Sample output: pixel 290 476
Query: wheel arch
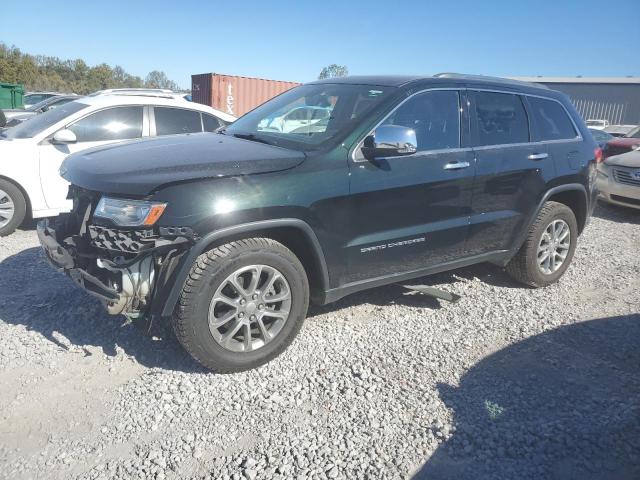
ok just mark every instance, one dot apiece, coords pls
pixel 575 199
pixel 22 190
pixel 574 195
pixel 294 233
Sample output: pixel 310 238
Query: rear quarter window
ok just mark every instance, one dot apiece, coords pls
pixel 551 119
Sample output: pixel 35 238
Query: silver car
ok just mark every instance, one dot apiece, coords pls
pixel 619 179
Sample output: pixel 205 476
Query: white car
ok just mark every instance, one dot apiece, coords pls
pixel 597 124
pixel 31 152
pixel 296 119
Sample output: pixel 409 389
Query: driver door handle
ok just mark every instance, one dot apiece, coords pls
pixel 456 165
pixel 538 156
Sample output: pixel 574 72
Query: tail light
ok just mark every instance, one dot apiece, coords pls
pixel 599 155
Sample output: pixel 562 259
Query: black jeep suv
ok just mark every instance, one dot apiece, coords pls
pixel 330 188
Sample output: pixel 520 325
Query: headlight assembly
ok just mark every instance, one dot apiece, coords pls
pixel 129 213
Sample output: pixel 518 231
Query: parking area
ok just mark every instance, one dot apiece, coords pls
pixel 511 382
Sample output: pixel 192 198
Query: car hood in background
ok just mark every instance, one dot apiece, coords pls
pixel 141 166
pixel 630 159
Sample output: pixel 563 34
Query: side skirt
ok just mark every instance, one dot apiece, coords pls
pixel 498 257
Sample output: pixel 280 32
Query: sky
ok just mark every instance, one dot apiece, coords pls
pixel 292 41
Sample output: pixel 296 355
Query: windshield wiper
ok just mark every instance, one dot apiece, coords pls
pixel 251 136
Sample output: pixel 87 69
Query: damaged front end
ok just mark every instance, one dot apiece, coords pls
pixel 124 267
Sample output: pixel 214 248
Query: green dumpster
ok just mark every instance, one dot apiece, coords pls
pixel 11 95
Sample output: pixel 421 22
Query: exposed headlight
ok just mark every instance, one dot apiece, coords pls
pixel 129 213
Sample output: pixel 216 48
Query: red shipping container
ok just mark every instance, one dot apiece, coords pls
pixel 235 95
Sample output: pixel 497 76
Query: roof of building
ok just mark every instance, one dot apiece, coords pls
pixel 617 80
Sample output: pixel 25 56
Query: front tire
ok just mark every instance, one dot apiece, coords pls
pixel 548 249
pixel 242 304
pixel 13 207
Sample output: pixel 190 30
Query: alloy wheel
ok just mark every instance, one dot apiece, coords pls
pixel 554 246
pixel 7 208
pixel 249 308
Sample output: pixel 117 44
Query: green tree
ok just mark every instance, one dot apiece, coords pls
pixel 43 72
pixel 157 79
pixel 333 70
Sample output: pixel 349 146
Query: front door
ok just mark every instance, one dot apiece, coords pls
pixel 99 128
pixel 412 212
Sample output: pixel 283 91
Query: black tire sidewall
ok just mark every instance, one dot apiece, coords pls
pixel 207 350
pixel 558 212
pixel 20 207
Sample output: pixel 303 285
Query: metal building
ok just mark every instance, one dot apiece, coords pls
pixel 616 99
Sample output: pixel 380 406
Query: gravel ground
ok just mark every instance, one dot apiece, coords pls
pixel 508 383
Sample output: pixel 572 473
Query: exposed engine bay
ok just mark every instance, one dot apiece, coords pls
pixel 121 267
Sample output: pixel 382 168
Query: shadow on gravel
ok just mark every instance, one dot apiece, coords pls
pixel 34 295
pixel 618 214
pixel 563 405
pixel 28 225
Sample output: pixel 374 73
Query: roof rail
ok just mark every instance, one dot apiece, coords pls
pixel 131 91
pixel 486 78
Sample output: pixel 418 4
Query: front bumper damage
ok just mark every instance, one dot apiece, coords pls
pixel 127 270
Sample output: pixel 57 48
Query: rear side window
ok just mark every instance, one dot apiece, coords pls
pixel 552 120
pixel 499 119
pixel 435 117
pixel 170 121
pixel 211 123
pixel 119 123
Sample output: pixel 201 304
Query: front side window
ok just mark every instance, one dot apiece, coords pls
pixel 500 119
pixel 435 117
pixel 172 121
pixel 552 121
pixel 119 123
pixel 40 123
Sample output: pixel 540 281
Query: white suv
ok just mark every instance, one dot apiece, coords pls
pixel 31 152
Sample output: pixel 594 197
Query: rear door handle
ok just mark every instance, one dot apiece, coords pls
pixel 456 165
pixel 538 156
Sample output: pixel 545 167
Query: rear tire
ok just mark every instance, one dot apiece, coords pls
pixel 543 259
pixel 239 281
pixel 13 207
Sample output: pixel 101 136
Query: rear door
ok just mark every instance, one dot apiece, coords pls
pixel 412 212
pixel 511 170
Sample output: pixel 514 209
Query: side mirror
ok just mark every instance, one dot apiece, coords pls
pixel 64 136
pixel 390 141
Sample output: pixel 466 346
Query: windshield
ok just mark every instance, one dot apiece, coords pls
pixel 39 123
pixel 310 116
pixel 635 133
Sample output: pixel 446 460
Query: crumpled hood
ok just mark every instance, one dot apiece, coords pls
pixel 141 166
pixel 629 159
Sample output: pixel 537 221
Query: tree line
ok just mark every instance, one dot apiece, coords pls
pixel 41 72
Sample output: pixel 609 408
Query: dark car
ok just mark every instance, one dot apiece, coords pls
pixel 16 116
pixel 602 138
pixel 627 143
pixel 229 235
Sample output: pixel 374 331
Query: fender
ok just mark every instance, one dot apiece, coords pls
pixel 548 194
pixel 166 299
